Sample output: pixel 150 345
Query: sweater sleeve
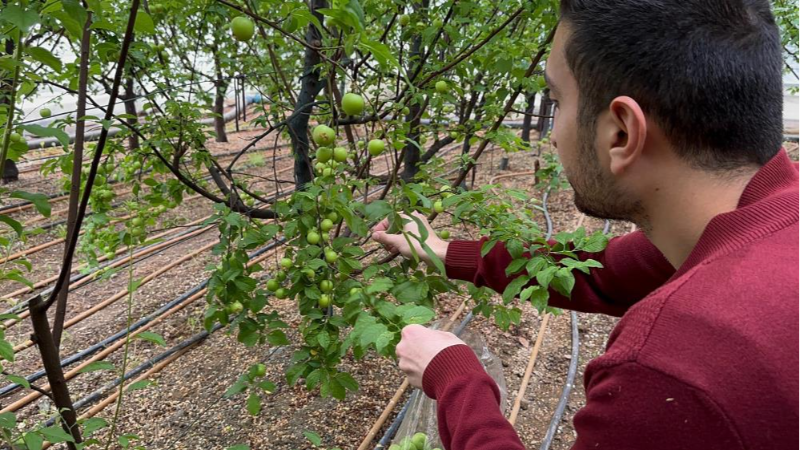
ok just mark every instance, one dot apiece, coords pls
pixel 632 268
pixel 630 406
pixel 467 403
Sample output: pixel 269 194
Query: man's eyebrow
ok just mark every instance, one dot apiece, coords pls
pixel 549 82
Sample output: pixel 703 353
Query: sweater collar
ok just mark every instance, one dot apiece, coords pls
pixel 768 203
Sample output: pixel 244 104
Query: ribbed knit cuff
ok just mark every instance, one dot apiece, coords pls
pixel 451 363
pixel 461 261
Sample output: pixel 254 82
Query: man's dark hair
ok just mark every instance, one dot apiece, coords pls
pixel 709 72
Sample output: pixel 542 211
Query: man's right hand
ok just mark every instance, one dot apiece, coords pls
pixel 398 243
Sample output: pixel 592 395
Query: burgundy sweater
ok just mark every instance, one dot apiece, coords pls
pixel 705 357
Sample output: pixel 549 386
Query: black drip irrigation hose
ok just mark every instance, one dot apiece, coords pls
pixel 571 372
pixel 135 326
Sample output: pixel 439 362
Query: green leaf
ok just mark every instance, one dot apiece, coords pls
pixel 377 209
pixel 347 380
pixel 139 385
pixel 418 315
pixel 33 441
pixel 16 226
pixel 45 57
pixel 596 242
pixel 38 130
pixel 371 334
pixel 514 287
pixel 380 284
pixel 8 420
pixel 93 424
pixel 383 341
pixel 19 380
pixel 312 437
pixel 543 277
pixel 253 404
pixel 411 291
pixel 144 23
pixel 564 282
pixel 40 201
pixel 515 266
pixel 235 388
pixel 380 51
pixel 324 340
pixel 56 434
pixel 277 337
pixel 336 389
pixel 152 337
pixel 487 247
pixel 97 365
pixel 239 447
pixel 73 27
pixel 20 18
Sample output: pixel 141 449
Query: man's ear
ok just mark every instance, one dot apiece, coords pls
pixel 624 133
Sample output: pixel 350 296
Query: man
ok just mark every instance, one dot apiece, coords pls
pixel 668 115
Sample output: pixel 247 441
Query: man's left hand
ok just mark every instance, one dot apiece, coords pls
pixel 417 348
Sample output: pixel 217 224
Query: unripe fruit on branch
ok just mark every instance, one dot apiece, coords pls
pixel 261 370
pixel 45 112
pixel 444 234
pixel 404 20
pixel 286 263
pixel 281 293
pixel 312 237
pixel 243 28
pixel 323 135
pixel 438 207
pixel 324 154
pixel 376 147
pixel 326 285
pixel 442 87
pixel 331 256
pixel 235 307
pixel 273 285
pixel 352 104
pixel 333 217
pixel 324 301
pixel 326 225
pixel 340 154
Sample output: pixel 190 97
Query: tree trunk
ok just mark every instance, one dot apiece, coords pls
pixel 311 86
pixel 75 185
pixel 10 171
pixel 221 87
pixel 542 123
pixel 526 122
pixel 52 367
pixel 130 109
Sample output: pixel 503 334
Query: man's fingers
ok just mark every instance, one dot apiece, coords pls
pixel 390 241
pixel 383 225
